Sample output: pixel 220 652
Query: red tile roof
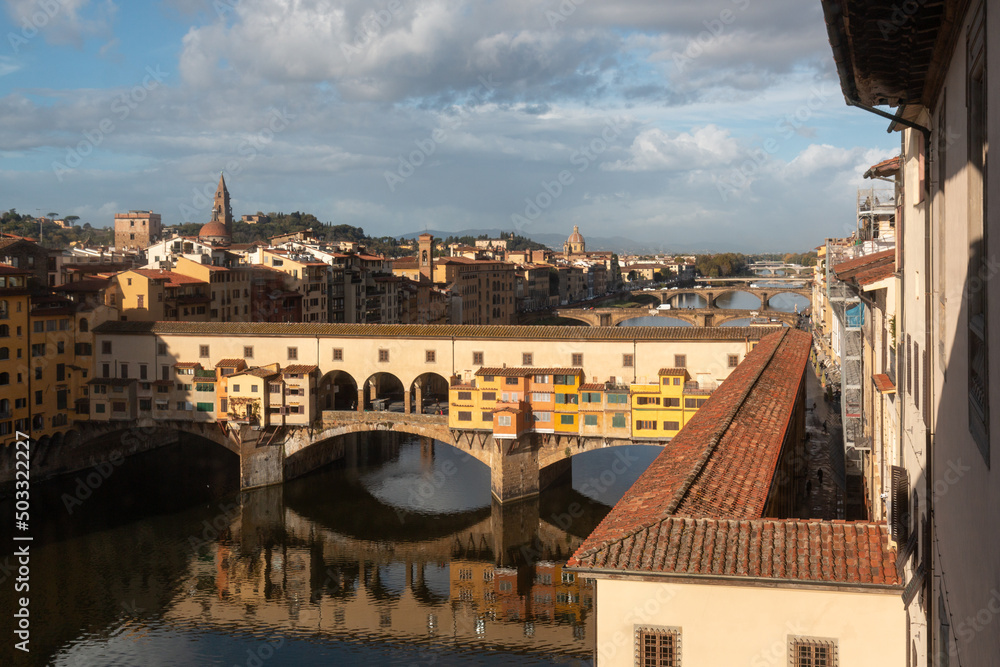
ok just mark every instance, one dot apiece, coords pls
pixel 592 386
pixel 885 168
pixel 673 371
pixel 172 277
pixel 883 383
pixel 303 369
pixel 868 268
pixel 524 371
pixel 789 549
pixel 231 363
pixel 721 464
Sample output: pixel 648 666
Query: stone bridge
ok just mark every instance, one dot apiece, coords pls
pixel 712 293
pixel 699 317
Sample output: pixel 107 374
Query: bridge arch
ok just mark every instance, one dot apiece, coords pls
pixel 736 290
pixel 337 390
pixel 429 390
pixel 380 390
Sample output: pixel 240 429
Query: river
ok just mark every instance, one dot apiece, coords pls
pixel 787 303
pixel 393 555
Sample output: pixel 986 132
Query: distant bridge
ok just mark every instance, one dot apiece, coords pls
pixel 699 317
pixel 712 294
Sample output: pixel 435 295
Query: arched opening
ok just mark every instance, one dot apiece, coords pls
pixel 686 300
pixel 430 394
pixel 655 321
pixel 738 299
pixel 4 353
pixel 337 391
pixel 383 392
pixel 788 302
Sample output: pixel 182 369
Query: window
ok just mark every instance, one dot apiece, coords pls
pixel 577 359
pixel 38 350
pixel 526 359
pixel 734 360
pixel 429 356
pixel 567 420
pixel 677 381
pixel 671 426
pixel 567 399
pixel 383 356
pixel 808 652
pixel 274 388
pixel 645 425
pixel 99 408
pixel 236 388
pixel 38 327
pixel 511 381
pixel 541 379
pixel 671 402
pixel 487 416
pixel 4 353
pixel 657 647
pixel 591 397
pixel 477 358
pixel 84 325
pixel 589 420
pixel 293 353
pixel 38 397
pixel 628 360
pixel 680 361
pixel 465 416
pixel 465 395
pixel 248 351
pixel 105 347
pixel 647 400
pixel 38 372
pixel 503 420
pixel 143 372
pixel 489 396
pixel 618 420
pixel 205 407
pixel 979 270
pixel 161 348
pixel 338 354
pixel 4 378
pixel 618 398
pixel 204 386
pixel 543 416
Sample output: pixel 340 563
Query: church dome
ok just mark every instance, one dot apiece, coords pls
pixel 575 237
pixel 213 230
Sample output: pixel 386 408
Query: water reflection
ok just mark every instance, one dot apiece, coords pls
pixel 345 566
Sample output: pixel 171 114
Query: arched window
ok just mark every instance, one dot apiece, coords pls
pixel 4 331
pixel 4 353
pixel 84 325
pixel 4 378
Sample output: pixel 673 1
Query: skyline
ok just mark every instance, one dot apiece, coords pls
pixel 720 123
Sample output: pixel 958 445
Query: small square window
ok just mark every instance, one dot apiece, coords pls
pixel 383 356
pixel 526 359
pixel 577 359
pixel 477 358
pixel 429 356
pixel 293 353
pixel 812 652
pixel 248 351
pixel 680 360
pixel 338 354
pixel 161 348
pixel 734 360
pixel 628 361
pixel 105 347
pixel 203 351
pixel 658 647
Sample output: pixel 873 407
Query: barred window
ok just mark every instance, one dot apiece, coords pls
pixel 338 354
pixel 477 358
pixel 680 360
pixel 577 359
pixel 657 647
pixel 812 652
pixel 628 360
pixel 734 360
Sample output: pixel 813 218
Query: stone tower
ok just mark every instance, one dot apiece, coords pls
pixel 425 256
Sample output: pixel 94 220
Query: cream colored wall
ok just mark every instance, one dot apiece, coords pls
pixel 602 359
pixel 724 625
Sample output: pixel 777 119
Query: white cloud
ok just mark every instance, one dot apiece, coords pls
pixel 655 150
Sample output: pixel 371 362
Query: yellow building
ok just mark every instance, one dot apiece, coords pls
pixel 230 288
pixel 309 277
pixel 661 410
pixel 14 306
pixel 154 295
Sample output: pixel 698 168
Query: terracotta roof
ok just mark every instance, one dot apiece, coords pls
pixel 721 464
pixel 231 363
pixel 873 264
pixel 187 364
pixel 592 386
pixel 304 369
pixel 8 270
pixel 785 549
pixel 458 331
pixel 515 371
pixel 672 371
pixel 883 383
pixel 256 372
pixel 172 277
pixel 885 168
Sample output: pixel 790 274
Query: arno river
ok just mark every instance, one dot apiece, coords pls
pixel 739 300
pixel 394 555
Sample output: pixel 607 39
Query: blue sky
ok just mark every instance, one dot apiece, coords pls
pixel 683 124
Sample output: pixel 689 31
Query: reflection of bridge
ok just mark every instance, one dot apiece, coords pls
pixel 297 574
pixel 699 317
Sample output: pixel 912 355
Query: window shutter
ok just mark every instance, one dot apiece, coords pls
pixel 900 510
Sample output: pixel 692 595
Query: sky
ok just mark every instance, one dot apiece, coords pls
pixel 677 123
